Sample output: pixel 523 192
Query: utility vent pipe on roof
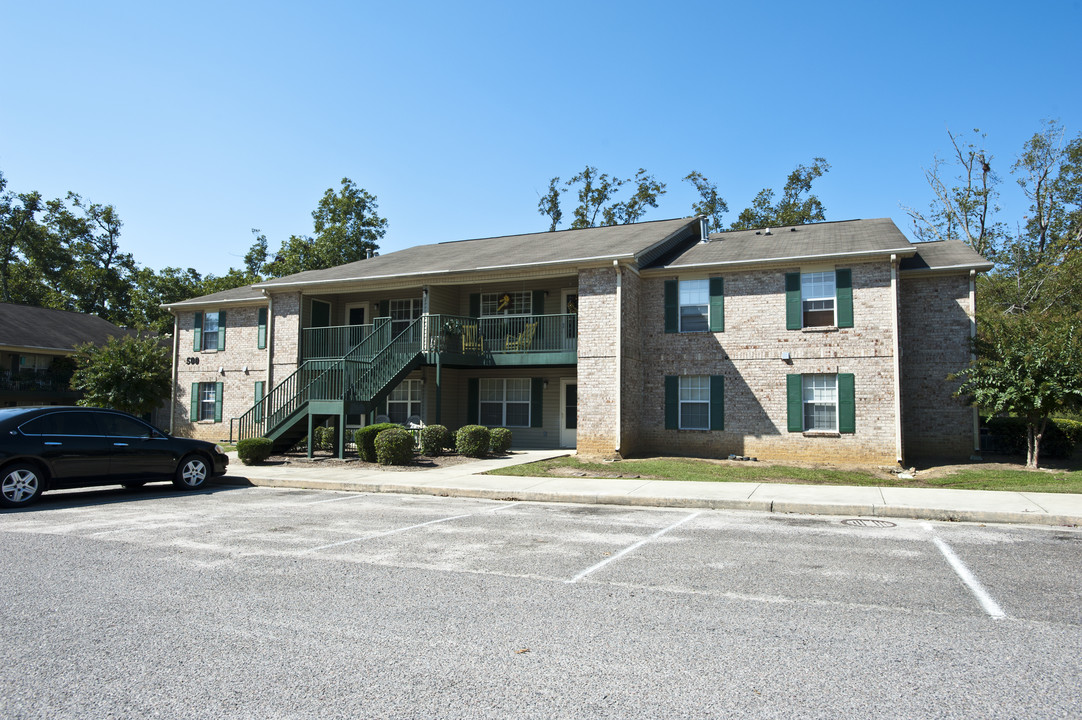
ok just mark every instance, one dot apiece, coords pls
pixel 766 232
pixel 704 230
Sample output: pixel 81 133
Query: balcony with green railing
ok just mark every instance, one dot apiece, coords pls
pixel 456 339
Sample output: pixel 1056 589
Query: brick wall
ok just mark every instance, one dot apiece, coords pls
pixel 202 366
pixel 597 382
pixel 935 328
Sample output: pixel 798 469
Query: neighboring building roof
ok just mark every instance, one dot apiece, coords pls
pixel 246 294
pixel 847 238
pixel 945 255
pixel 640 242
pixel 34 328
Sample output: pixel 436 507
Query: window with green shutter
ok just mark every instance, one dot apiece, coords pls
pixel 843 284
pixel 694 402
pixel 717 304
pixel 197 333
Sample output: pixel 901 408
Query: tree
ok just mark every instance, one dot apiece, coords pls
pixel 347 228
pixel 23 246
pixel 596 192
pixel 132 374
pixel 151 290
pixel 964 210
pixel 711 205
pixel 794 208
pixel 1027 366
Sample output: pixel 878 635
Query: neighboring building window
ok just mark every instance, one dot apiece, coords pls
pixel 403 312
pixel 210 331
pixel 694 305
pixel 507 303
pixel 504 402
pixel 208 398
pixel 695 402
pixel 404 401
pixel 820 395
pixel 817 298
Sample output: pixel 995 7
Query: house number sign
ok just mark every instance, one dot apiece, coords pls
pixel 191 361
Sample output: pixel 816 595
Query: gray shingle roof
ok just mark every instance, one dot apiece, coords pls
pixel 503 253
pixel 247 293
pixel 46 329
pixel 944 254
pixel 828 239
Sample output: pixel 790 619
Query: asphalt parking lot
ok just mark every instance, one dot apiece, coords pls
pixel 260 602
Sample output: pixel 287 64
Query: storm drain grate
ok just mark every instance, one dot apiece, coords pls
pixel 864 522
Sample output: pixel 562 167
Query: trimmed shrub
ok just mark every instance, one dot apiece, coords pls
pixel 366 440
pixel 1009 436
pixel 501 440
pixel 473 440
pixel 435 439
pixel 394 446
pixel 254 450
pixel 326 438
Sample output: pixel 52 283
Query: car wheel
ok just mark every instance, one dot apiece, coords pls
pixel 192 473
pixel 20 485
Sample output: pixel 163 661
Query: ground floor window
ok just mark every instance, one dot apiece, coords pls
pixel 504 402
pixel 208 402
pixel 820 394
pixel 695 402
pixel 404 401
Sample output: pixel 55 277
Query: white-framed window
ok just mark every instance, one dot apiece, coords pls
pixel 507 303
pixel 404 401
pixel 817 292
pixel 36 363
pixel 208 396
pixel 820 402
pixel 210 331
pixel 504 402
pixel 694 305
pixel 694 402
pixel 403 312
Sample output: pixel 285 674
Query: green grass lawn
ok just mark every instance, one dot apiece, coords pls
pixel 975 477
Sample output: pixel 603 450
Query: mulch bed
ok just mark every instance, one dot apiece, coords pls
pixel 326 459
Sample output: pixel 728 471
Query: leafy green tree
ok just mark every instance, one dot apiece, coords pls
pixel 596 192
pixel 22 242
pixel 151 290
pixel 1027 366
pixel 795 207
pixel 710 205
pixel 132 374
pixel 347 228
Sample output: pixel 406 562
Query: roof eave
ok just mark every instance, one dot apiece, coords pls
pixel 853 255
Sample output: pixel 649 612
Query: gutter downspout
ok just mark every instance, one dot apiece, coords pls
pixel 270 344
pixel 173 393
pixel 619 354
pixel 973 359
pixel 897 360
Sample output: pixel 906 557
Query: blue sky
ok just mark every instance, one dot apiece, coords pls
pixel 202 120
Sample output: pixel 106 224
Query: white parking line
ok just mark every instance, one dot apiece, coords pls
pixel 351 496
pixel 631 548
pixel 399 530
pixel 987 602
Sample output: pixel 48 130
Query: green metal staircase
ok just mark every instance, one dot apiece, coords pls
pixel 320 389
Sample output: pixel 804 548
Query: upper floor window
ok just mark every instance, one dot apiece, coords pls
pixel 403 312
pixel 210 331
pixel 817 298
pixel 694 305
pixel 507 303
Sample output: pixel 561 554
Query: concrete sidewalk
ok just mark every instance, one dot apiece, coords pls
pixel 465 480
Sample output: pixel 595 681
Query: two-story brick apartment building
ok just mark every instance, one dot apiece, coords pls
pixel 829 341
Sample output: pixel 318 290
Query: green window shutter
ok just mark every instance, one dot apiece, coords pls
pixel 261 333
pixel 672 307
pixel 794 319
pixel 221 329
pixel 197 335
pixel 217 402
pixel 672 402
pixel 473 399
pixel 717 402
pixel 475 304
pixel 794 394
pixel 538 302
pixel 537 387
pixel 843 289
pixel 194 414
pixel 384 308
pixel 259 399
pixel 717 304
pixel 847 403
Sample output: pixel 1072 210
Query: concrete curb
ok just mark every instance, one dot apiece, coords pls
pixel 699 503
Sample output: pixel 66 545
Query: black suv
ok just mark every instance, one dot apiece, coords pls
pixel 45 448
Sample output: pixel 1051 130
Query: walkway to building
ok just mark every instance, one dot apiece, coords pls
pixel 466 480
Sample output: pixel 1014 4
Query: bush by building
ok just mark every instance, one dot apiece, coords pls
pixel 394 446
pixel 473 440
pixel 254 450
pixel 435 439
pixel 500 440
pixel 366 439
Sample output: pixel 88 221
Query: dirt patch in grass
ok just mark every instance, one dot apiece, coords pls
pixel 328 460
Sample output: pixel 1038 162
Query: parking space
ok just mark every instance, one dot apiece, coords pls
pixel 1028 573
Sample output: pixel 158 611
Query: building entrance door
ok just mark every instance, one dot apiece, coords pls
pixel 569 402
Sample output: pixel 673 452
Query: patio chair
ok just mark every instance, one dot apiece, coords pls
pixel 472 341
pixel 522 341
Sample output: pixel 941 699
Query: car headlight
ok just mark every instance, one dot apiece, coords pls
pixel 219 449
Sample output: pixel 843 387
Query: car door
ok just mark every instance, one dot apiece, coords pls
pixel 139 451
pixel 73 445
